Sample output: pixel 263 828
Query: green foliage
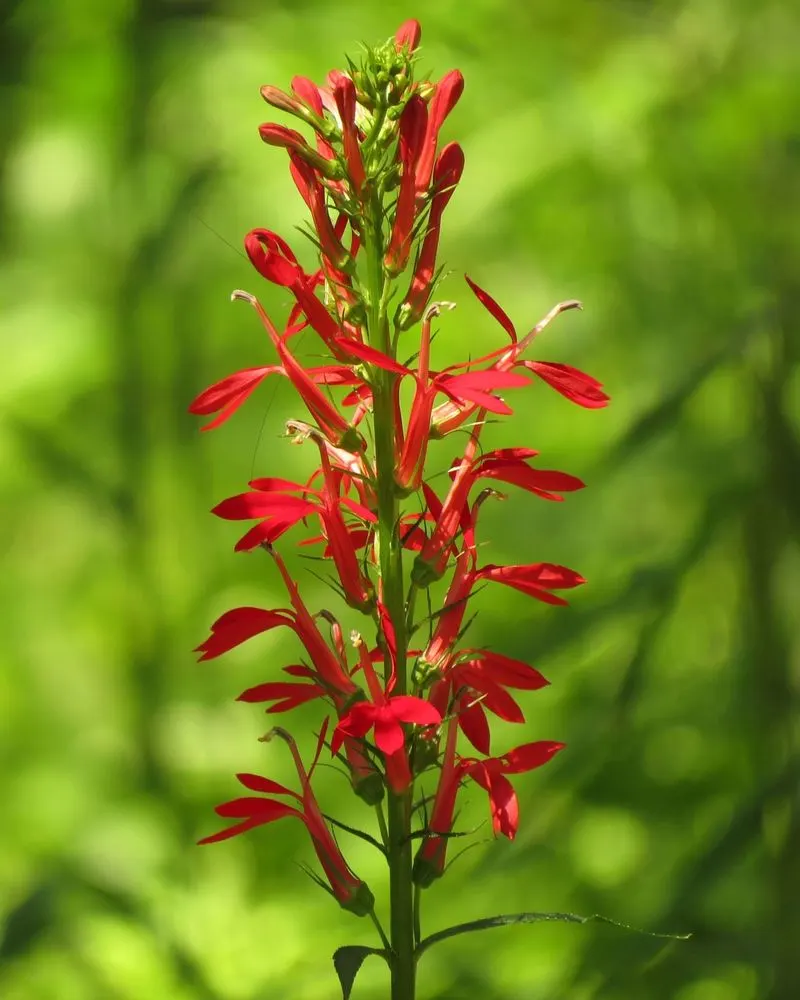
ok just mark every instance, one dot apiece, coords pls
pixel 643 158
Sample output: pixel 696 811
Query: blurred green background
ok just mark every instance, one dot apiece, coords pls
pixel 641 156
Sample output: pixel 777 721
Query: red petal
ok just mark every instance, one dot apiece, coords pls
pixel 494 309
pixel 475 727
pixel 571 383
pixel 286 693
pixel 266 785
pixel 407 708
pixel 249 505
pixel 229 393
pixel 529 756
pixel 545 482
pixel 510 672
pixel 270 483
pixel 370 354
pixel 389 737
pixel 264 810
pixel 357 723
pixel 236 626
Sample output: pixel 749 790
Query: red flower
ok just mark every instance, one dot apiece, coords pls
pixel 491 774
pixel 386 719
pixel 446 174
pixel 429 863
pixel 575 385
pixel 349 890
pixel 508 465
pixel 408 35
pixel 413 122
pixel 476 682
pixel 445 97
pixel 386 716
pixel 226 396
pixel 332 424
pixel 344 93
pixel 275 503
pixel 237 626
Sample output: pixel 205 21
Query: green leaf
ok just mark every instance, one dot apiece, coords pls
pixel 507 919
pixel 347 961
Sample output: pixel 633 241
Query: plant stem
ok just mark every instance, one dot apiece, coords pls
pixel 401 925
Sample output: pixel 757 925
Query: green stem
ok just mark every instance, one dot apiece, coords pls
pixel 382 824
pixel 399 847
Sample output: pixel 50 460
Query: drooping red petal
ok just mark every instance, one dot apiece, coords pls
pixel 256 783
pixel 510 672
pixel 493 308
pixel 500 703
pixel 286 694
pixel 268 531
pixel 259 504
pixel 407 708
pixel 236 626
pixel 475 726
pixel 504 806
pixel 572 383
pixel 371 355
pixel 547 483
pixel 389 736
pixel 357 723
pixel 227 395
pixel 529 756
pixel 536 579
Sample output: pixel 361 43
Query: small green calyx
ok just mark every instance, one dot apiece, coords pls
pixel 369 789
pixel 362 902
pixel 423 573
pixel 424 874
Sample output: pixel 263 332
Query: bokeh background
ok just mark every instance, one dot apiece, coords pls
pixel 641 156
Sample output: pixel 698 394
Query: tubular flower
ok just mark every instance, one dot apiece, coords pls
pixel 573 384
pixel 445 97
pixel 344 93
pixel 491 772
pixel 276 503
pixel 332 424
pixel 413 123
pixel 446 174
pixel 385 715
pixel 429 862
pixel 350 891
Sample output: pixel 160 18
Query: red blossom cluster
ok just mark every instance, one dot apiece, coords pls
pixel 376 180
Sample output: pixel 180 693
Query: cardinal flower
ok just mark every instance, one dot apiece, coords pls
pixel 476 681
pixel 385 717
pixel 491 773
pixel 575 385
pixel 350 891
pixel 278 504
